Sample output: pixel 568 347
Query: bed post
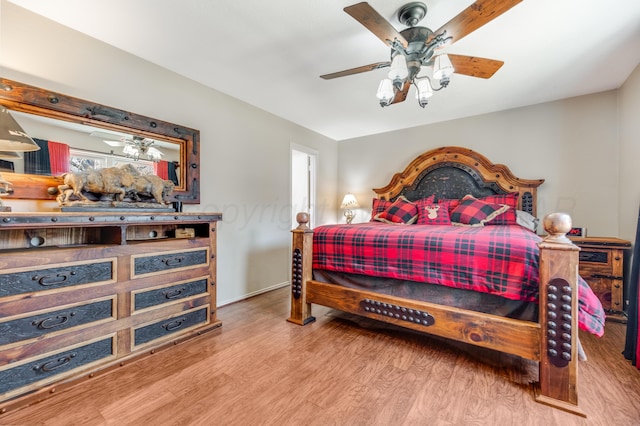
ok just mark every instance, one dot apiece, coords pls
pixel 558 316
pixel 301 265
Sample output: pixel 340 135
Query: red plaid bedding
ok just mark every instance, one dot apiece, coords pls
pixel 501 260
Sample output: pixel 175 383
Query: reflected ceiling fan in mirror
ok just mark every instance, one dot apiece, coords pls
pixel 133 146
pixel 137 146
pixel 416 47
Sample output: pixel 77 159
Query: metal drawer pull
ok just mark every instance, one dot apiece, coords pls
pixel 605 276
pixel 48 280
pixel 54 364
pixel 174 325
pixel 173 261
pixel 53 322
pixel 172 294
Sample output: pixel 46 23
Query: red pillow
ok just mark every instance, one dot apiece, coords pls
pixel 509 217
pixel 474 212
pixel 434 213
pixel 400 212
pixel 378 207
pixel 453 203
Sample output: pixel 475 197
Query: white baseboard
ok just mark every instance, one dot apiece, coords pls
pixel 255 293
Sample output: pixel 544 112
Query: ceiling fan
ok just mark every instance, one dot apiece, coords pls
pixel 133 146
pixel 416 47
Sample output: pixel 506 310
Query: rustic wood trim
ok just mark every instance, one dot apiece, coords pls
pixel 302 255
pixel 558 264
pixel 490 331
pixel 34 100
pixel 499 174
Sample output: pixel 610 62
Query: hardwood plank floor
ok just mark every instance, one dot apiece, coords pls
pixel 259 369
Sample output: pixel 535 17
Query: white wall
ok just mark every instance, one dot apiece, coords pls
pixel 571 143
pixel 629 125
pixel 245 150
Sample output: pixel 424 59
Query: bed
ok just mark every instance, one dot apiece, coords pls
pixel 529 303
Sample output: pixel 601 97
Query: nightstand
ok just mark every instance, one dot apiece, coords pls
pixel 602 267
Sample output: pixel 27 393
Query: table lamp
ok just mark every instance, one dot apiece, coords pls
pixel 349 202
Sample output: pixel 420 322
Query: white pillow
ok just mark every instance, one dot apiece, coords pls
pixel 527 220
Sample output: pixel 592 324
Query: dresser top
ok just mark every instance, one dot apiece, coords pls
pixel 115 218
pixel 600 242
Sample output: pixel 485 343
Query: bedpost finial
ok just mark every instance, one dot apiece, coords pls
pixel 303 220
pixel 557 225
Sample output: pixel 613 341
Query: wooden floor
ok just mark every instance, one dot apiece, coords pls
pixel 259 369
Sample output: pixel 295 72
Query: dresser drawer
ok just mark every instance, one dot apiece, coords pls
pixel 601 257
pixel 168 261
pixel 19 281
pixel 45 369
pixel 41 323
pixel 167 294
pixel 167 327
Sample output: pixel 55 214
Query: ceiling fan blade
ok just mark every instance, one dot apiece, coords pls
pixel 357 70
pixel 401 95
pixel 474 67
pixel 374 22
pixel 473 17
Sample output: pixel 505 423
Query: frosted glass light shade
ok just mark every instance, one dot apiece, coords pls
pixel 424 90
pixel 398 69
pixel 442 67
pixel 385 91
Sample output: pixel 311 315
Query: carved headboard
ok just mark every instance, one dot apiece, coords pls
pixel 453 172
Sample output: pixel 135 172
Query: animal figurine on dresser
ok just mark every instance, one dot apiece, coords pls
pixel 122 186
pixel 151 186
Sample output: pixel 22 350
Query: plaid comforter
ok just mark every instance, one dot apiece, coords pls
pixel 500 260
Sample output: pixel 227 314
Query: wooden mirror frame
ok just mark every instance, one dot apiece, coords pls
pixel 33 100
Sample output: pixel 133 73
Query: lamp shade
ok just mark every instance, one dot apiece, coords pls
pixel 385 91
pixel 12 137
pixel 349 202
pixel 399 70
pixel 424 91
pixel 442 67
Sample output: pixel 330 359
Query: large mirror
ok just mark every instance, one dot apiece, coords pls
pixel 95 136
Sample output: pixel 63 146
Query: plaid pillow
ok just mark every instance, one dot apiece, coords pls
pixel 474 212
pixel 453 203
pixel 433 213
pixel 400 212
pixel 378 207
pixel 508 217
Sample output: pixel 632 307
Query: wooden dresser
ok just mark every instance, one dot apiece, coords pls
pixel 82 293
pixel 602 267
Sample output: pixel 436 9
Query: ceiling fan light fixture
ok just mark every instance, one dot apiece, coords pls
pixel 399 70
pixel 442 67
pixel 137 146
pixel 416 47
pixel 154 154
pixel 131 151
pixel 424 91
pixel 385 92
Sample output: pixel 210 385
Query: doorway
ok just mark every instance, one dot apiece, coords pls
pixel 303 183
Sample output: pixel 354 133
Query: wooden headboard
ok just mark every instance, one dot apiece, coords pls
pixel 453 172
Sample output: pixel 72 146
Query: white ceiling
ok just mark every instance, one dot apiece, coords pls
pixel 271 53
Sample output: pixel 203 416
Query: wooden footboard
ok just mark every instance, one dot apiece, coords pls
pixel 552 341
